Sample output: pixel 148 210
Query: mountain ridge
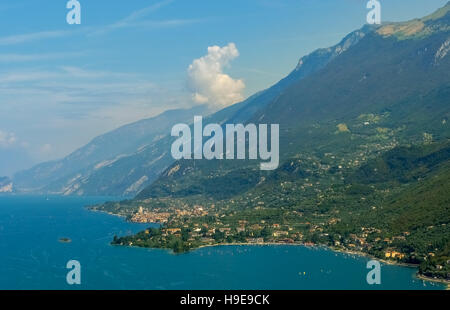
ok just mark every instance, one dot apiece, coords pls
pixel 141 166
pixel 104 148
pixel 411 105
pixel 365 164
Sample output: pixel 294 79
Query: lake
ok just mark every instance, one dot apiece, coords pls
pixel 32 256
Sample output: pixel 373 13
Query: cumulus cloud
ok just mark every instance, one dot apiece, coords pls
pixel 208 82
pixel 7 139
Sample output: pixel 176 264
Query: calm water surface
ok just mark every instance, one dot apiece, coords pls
pixel 31 256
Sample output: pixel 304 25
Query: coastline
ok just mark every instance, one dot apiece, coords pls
pixel 112 214
pixel 341 251
pixel 337 250
pixel 442 281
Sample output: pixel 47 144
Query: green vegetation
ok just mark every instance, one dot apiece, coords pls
pixel 365 163
pixel 402 208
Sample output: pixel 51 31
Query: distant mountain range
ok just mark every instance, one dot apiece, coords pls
pixel 91 169
pixel 126 160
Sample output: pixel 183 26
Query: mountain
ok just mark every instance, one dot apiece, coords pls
pixel 68 175
pixel 365 159
pixel 425 202
pixel 416 210
pixel 388 89
pixel 306 66
pixel 126 160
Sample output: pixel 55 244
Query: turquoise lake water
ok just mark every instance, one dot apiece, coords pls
pixel 31 256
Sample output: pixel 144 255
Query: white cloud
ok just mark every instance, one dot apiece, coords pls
pixel 23 38
pixel 144 12
pixel 134 19
pixel 9 58
pixel 208 82
pixel 7 139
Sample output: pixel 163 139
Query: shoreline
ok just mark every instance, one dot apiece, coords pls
pixel 336 250
pixel 317 246
pixel 341 251
pixel 436 280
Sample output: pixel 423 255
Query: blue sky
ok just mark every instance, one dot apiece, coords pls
pixel 61 85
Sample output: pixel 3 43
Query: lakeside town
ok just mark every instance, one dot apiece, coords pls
pixel 188 228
